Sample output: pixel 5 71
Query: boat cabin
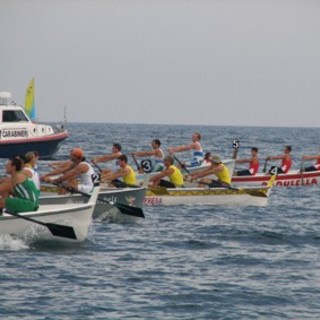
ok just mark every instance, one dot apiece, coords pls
pixel 15 123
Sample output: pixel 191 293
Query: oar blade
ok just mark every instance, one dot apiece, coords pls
pixel 59 230
pixel 56 229
pixel 131 211
pixel 256 193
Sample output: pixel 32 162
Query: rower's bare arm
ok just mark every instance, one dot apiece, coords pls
pixel 244 160
pixel 105 158
pixel 179 149
pixel 59 171
pixel 111 176
pixel 144 153
pixel 67 176
pixel 81 168
pixel 27 173
pixel 280 157
pixel 315 157
pixel 162 174
pixel 204 172
pixel 62 165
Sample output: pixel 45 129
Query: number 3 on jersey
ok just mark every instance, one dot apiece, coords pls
pixel 146 165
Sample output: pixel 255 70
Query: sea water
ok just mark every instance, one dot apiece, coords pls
pixel 185 262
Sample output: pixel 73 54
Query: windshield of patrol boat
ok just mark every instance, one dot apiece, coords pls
pixel 13 116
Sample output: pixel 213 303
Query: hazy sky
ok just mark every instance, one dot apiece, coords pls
pixel 216 62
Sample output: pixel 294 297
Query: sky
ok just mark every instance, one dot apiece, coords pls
pixel 206 62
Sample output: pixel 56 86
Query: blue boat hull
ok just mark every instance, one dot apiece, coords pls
pixel 45 148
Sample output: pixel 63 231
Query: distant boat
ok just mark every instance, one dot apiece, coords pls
pixel 19 134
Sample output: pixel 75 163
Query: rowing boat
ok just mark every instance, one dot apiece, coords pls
pixel 292 178
pixel 67 222
pixel 253 196
pixel 122 197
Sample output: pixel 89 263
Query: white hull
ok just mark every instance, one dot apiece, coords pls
pixel 292 178
pixel 77 216
pixel 132 197
pixel 214 196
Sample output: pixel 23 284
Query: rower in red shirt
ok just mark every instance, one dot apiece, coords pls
pixel 253 164
pixel 314 167
pixel 285 163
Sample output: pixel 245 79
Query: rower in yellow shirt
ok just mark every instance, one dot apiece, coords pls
pixel 125 172
pixel 172 172
pixel 219 170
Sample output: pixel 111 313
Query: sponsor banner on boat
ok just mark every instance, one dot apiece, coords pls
pixel 295 182
pixel 112 199
pixel 14 133
pixel 152 201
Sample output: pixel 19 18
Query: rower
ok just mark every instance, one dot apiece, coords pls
pixel 30 168
pixel 218 169
pixel 78 175
pixel 125 172
pixel 25 195
pixel 156 165
pixel 172 172
pixel 116 153
pixel 196 149
pixel 253 164
pixel 286 161
pixel 314 167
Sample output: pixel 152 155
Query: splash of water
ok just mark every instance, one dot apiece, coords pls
pixel 9 243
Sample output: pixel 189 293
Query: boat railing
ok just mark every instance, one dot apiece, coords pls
pixel 59 128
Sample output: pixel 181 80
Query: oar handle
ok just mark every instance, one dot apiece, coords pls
pixel 302 171
pixel 55 229
pixel 97 166
pixel 181 164
pixel 135 161
pixel 265 166
pixel 235 145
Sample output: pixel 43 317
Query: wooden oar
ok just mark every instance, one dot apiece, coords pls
pixel 123 208
pixel 302 171
pixel 256 193
pixel 57 230
pixel 131 211
pixel 159 190
pixel 97 166
pixel 135 161
pixel 235 145
pixel 181 164
pixel 264 170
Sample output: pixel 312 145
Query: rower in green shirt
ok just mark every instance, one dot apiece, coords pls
pixel 24 194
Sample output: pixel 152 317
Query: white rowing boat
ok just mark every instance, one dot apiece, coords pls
pixel 292 178
pixel 254 196
pixel 110 200
pixel 68 222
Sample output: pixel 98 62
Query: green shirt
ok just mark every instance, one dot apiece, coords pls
pixel 27 190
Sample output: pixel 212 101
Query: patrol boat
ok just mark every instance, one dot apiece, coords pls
pixel 18 134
